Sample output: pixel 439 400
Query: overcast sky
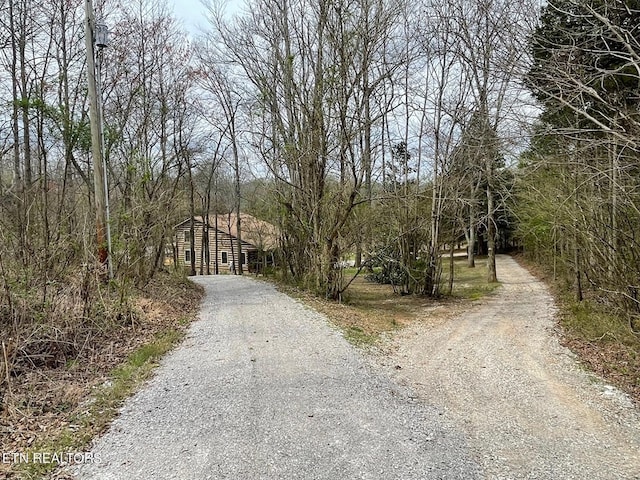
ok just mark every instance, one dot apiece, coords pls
pixel 192 12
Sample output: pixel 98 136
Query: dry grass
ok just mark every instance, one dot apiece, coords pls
pixel 61 406
pixel 370 311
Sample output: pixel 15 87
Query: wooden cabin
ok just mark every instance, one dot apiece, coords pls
pixel 220 233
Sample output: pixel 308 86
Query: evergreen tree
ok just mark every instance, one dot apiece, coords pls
pixel 584 162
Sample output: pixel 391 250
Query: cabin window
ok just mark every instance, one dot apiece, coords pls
pixel 187 256
pixel 243 259
pixel 187 236
pixel 224 257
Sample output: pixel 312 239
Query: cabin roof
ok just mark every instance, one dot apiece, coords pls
pixel 258 233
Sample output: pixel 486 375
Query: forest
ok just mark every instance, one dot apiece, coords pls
pixel 383 131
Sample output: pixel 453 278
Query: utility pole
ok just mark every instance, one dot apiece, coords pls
pixel 97 142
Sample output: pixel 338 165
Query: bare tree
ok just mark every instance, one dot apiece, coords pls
pixel 490 39
pixel 306 68
pixel 225 94
pixel 152 132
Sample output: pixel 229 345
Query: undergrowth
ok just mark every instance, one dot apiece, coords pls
pixel 94 416
pixel 596 331
pixel 68 362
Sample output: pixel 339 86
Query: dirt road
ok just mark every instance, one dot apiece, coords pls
pixel 528 409
pixel 263 388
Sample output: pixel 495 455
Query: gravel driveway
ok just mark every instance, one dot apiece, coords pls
pixel 528 409
pixel 263 388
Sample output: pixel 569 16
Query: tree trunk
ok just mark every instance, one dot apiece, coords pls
pixel 17 168
pixel 577 271
pixel 236 164
pixel 192 228
pixel 216 268
pixel 471 242
pixel 491 238
pixel 358 261
pixel 451 267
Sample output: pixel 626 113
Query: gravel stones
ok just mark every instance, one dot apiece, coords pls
pixel 264 388
pixel 528 409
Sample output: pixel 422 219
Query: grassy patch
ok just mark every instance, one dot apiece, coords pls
pixel 360 320
pixel 468 283
pixel 604 342
pixel 591 323
pixel 357 336
pixel 92 419
pixel 126 378
pixel 369 310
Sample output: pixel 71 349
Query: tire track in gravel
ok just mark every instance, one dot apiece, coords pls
pixel 529 410
pixel 263 388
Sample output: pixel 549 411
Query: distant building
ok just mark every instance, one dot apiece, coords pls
pixel 259 241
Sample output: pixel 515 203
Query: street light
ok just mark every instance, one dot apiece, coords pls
pixel 102 35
